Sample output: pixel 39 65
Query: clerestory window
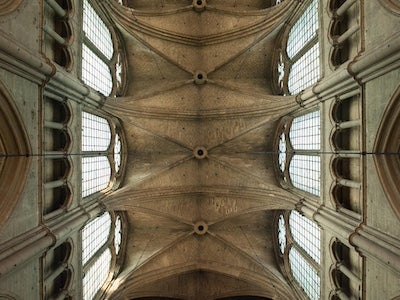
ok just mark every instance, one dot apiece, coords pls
pixel 101 240
pixel 298 66
pixel 101 154
pixel 299 246
pixel 103 62
pixel 299 152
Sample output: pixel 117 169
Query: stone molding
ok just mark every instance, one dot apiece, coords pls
pixel 391 5
pixel 386 147
pixel 272 17
pixel 8 6
pixel 135 282
pixel 33 243
pixel 15 150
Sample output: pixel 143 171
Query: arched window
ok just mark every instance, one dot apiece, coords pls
pixel 96 139
pixel 299 246
pixel 101 64
pixel 96 257
pixel 300 60
pixel 101 154
pixel 101 240
pixel 298 147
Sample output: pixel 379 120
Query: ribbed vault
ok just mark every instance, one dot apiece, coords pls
pixel 200 119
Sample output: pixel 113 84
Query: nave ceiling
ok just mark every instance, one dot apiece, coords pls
pixel 200 117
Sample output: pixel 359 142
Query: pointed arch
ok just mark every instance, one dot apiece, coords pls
pixel 15 150
pixel 387 147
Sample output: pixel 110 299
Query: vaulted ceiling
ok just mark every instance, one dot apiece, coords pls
pixel 200 118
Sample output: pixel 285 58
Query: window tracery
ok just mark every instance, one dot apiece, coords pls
pixel 298 159
pixel 299 248
pixel 101 154
pixel 101 240
pixel 298 65
pixel 103 62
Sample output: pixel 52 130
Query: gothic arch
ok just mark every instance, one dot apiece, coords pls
pixel 391 5
pixel 15 153
pixel 8 6
pixel 387 146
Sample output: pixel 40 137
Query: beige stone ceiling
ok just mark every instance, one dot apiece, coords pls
pixel 168 114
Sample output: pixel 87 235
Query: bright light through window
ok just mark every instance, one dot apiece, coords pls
pixel 96 174
pixel 117 235
pixel 96 134
pixel 97 51
pixel 303 50
pixel 282 152
pixel 96 31
pixel 305 165
pixel 96 275
pixel 305 71
pixel 305 28
pixel 306 234
pixel 95 72
pixel 304 274
pixel 281 233
pixel 94 235
pixel 305 132
pixel 117 153
pixel 305 173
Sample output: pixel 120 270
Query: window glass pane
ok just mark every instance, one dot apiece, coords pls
pixel 306 234
pixel 304 274
pixel 118 235
pixel 118 71
pixel 282 152
pixel 96 134
pixel 96 31
pixel 117 153
pixel 96 275
pixel 96 174
pixel 303 30
pixel 304 171
pixel 281 233
pixel 305 71
pixel 305 132
pixel 95 72
pixel 94 235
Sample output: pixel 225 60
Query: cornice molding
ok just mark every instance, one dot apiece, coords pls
pixel 21 61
